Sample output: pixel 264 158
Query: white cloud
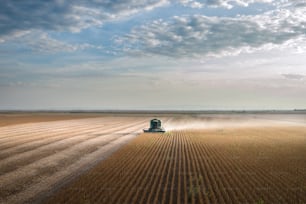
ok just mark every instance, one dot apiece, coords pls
pixel 42 42
pixel 13 35
pixel 199 35
pixel 294 76
pixel 63 15
pixel 222 3
pixel 58 15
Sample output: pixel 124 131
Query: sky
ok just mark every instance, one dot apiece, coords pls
pixel 152 54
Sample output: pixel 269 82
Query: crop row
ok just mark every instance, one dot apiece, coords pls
pixel 215 166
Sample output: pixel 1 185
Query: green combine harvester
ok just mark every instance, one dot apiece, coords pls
pixel 155 126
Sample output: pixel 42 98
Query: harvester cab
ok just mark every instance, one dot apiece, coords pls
pixel 155 126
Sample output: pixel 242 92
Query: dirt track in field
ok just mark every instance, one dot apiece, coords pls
pixel 236 165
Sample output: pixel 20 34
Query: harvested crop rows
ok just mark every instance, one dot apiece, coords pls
pixel 38 157
pixel 235 165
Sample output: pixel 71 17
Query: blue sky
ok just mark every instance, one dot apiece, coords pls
pixel 152 54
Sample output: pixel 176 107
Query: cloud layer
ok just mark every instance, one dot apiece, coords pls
pixel 201 35
pixel 61 15
pixel 184 35
pixel 221 3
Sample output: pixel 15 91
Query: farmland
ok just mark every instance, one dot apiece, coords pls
pixel 38 156
pixel 201 159
pixel 220 166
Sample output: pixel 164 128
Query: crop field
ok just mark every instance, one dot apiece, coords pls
pixel 39 156
pixel 246 165
pixel 201 159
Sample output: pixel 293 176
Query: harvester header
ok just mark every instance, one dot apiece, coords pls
pixel 155 126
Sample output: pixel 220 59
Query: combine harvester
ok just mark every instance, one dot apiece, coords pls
pixel 155 126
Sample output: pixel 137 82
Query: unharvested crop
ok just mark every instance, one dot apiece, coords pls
pixel 233 165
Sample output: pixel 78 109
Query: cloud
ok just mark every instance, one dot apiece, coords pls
pixel 294 76
pixel 202 35
pixel 184 35
pixel 60 15
pixel 121 6
pixel 42 42
pixel 192 3
pixel 222 3
pixel 73 16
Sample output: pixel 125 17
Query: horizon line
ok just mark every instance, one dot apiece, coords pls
pixel 151 110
